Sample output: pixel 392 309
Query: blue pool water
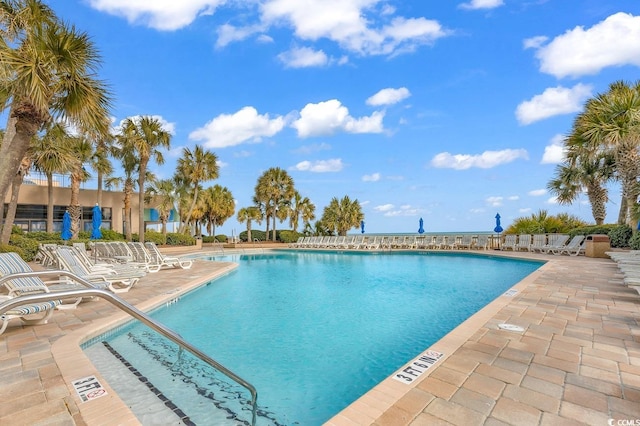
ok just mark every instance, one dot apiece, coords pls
pixel 312 331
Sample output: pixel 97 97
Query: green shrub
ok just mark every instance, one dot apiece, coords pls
pixel 176 239
pixel 6 248
pixel 634 242
pixel 221 238
pixel 289 236
pixel 620 236
pixel 111 235
pixel 16 230
pixel 255 234
pixel 44 236
pixel 27 245
pixel 155 237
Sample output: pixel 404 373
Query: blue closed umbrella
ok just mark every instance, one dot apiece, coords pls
pixel 66 226
pixel 421 229
pixel 498 229
pixel 362 226
pixel 96 221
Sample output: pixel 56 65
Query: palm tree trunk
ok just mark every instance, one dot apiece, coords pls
pixel 141 226
pixel 273 237
pixel 49 202
pixel 99 191
pixel 622 213
pixel 75 211
pixel 249 231
pixel 12 153
pixel 191 209
pixel 13 206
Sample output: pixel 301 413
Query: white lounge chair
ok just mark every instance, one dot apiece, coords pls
pixel 524 242
pixel 555 242
pixel 510 241
pixel 29 313
pixel 538 242
pixel 465 242
pixel 482 242
pixel 573 247
pixel 116 281
pixel 166 261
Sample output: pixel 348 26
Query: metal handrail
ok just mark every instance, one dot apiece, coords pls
pixel 129 309
pixel 255 240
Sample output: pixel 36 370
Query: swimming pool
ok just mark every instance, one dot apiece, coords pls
pixel 312 331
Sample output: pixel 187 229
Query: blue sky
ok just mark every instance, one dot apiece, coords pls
pixel 450 111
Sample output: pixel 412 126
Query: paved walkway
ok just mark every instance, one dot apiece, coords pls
pixel 577 360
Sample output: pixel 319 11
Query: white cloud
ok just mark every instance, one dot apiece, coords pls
pixel 350 23
pixel 320 166
pixel 384 207
pixel 552 200
pixel 537 192
pixel 228 33
pixel 303 57
pixel 481 4
pixel 553 101
pixel 555 152
pixel 327 118
pixel 388 96
pixel 486 160
pixel 371 178
pixel 613 42
pixel 494 201
pixel 513 197
pixel 162 15
pixel 245 125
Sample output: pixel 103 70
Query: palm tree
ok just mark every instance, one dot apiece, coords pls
pixel 194 168
pixel 218 206
pixel 275 188
pixel 100 162
pixel 610 122
pixel 163 192
pixel 145 136
pixel 49 70
pixel 583 168
pixel 248 214
pixel 52 154
pixel 301 207
pixel 82 150
pixel 341 215
pixel 129 162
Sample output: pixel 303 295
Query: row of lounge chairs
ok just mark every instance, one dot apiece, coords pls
pixel 117 268
pixel 410 242
pixel 543 243
pixel 629 265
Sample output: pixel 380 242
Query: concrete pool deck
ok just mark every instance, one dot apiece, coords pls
pixel 577 360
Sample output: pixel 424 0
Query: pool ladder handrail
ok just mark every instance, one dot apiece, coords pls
pixel 255 240
pixel 91 291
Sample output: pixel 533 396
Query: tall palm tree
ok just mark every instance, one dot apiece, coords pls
pixel 583 168
pixel 218 206
pixel 301 208
pixel 163 193
pixel 52 154
pixel 100 162
pixel 611 121
pixel 145 136
pixel 48 70
pixel 275 188
pixel 129 162
pixel 194 168
pixel 83 150
pixel 247 215
pixel 341 215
